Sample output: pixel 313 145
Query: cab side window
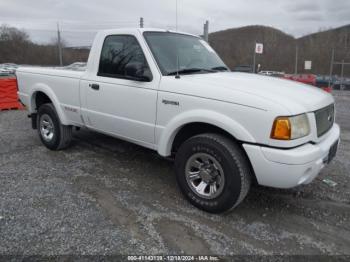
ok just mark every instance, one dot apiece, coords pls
pixel 117 53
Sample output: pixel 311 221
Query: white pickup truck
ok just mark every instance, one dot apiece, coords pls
pixel 172 93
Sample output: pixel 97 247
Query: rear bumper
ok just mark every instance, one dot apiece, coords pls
pixel 287 168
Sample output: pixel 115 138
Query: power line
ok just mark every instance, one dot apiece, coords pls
pixel 40 25
pixel 48 21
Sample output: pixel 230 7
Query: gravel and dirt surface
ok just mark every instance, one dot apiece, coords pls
pixel 106 196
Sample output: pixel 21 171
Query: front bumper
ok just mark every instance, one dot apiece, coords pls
pixel 287 168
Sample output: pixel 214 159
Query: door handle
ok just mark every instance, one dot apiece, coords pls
pixel 95 86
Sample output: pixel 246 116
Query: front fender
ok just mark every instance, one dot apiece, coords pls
pixel 47 91
pixel 168 133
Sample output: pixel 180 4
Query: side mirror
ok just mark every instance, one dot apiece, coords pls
pixel 136 71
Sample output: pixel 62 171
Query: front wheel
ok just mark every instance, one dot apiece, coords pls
pixel 52 133
pixel 213 172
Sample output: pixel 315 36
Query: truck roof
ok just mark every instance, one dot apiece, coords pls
pixel 142 30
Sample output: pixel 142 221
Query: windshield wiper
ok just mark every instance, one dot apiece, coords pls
pixel 190 71
pixel 220 68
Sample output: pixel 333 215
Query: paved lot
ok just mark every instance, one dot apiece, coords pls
pixel 105 196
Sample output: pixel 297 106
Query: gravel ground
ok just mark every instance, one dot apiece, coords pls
pixel 106 196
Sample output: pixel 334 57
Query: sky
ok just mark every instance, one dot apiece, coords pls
pixel 79 20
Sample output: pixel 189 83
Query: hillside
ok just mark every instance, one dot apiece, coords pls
pixel 236 47
pixel 16 47
pixel 318 48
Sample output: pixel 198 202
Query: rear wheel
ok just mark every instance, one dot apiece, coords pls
pixel 213 172
pixel 52 133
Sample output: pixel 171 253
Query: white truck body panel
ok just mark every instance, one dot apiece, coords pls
pixel 62 86
pixel 244 105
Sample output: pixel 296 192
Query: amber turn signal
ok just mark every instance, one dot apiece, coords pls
pixel 281 129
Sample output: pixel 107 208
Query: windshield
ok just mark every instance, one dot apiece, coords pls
pixel 184 53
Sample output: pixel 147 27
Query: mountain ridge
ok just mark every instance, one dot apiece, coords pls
pixel 236 47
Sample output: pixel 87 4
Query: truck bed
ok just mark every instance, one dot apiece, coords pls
pixel 60 85
pixel 51 71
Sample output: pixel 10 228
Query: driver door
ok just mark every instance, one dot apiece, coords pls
pixel 115 103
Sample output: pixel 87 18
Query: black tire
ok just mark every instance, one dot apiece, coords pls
pixel 61 134
pixel 234 164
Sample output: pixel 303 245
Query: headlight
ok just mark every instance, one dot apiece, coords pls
pixel 289 128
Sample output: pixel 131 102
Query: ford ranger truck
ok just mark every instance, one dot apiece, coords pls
pixel 171 92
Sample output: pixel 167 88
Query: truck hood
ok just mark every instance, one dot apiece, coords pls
pixel 296 97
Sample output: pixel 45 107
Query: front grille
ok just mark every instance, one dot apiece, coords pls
pixel 324 119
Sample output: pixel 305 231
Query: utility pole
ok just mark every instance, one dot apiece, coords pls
pixel 206 31
pixel 296 60
pixel 176 16
pixel 254 57
pixel 59 45
pixel 342 74
pixel 141 22
pixel 331 70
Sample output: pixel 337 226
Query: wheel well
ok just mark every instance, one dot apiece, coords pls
pixel 40 99
pixel 193 129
